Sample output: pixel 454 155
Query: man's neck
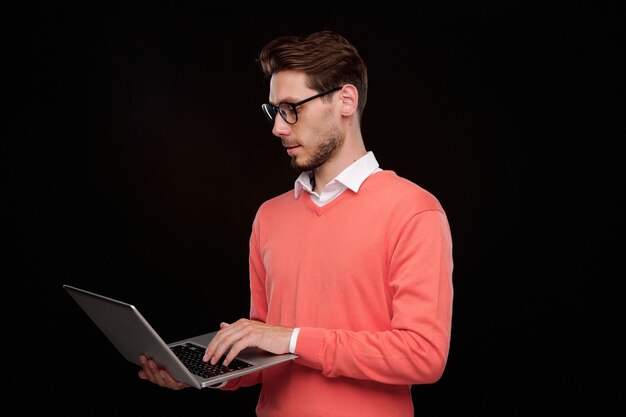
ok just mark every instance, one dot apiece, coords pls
pixel 333 167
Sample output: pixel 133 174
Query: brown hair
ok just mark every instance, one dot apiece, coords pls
pixel 327 58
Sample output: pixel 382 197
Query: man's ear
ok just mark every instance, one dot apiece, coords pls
pixel 349 99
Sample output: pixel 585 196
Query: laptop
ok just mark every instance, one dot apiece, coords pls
pixel 132 335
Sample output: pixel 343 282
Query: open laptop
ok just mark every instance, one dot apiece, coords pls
pixel 132 335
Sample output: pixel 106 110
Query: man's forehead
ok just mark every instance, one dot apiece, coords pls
pixel 286 85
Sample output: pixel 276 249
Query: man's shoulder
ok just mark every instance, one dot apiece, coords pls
pixel 388 179
pixel 401 189
pixel 288 197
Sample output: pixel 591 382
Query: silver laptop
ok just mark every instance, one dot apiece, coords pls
pixel 132 335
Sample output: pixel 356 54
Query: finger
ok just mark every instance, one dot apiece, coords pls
pixel 228 335
pixel 235 343
pixel 237 347
pixel 152 371
pixel 216 353
pixel 170 382
pixel 225 340
pixel 164 379
pixel 216 349
pixel 142 373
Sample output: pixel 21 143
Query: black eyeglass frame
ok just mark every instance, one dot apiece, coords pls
pixel 271 111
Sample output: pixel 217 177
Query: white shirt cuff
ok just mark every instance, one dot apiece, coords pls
pixel 294 339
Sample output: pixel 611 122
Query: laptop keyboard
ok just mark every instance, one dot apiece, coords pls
pixel 191 355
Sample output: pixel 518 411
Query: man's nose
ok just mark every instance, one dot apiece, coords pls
pixel 281 127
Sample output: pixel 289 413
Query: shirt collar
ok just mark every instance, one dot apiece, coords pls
pixel 352 177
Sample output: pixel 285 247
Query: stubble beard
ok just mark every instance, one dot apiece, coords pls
pixel 323 152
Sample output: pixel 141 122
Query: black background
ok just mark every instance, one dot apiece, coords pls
pixel 137 156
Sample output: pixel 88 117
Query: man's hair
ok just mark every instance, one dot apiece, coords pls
pixel 328 59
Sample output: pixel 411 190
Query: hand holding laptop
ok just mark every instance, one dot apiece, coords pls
pixel 152 372
pixel 231 338
pixel 180 364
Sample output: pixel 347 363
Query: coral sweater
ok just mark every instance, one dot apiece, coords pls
pixel 368 279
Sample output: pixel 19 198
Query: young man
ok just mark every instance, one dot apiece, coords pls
pixel 352 269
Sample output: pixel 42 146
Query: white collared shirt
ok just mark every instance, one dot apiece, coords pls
pixel 352 177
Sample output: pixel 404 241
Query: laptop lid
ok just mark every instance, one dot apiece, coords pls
pixel 132 335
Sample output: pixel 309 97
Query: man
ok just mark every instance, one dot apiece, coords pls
pixel 352 269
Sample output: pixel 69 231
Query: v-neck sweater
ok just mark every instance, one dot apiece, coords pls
pixel 368 280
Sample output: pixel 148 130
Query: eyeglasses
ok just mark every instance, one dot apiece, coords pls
pixel 288 110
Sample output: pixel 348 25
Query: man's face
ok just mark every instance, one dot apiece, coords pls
pixel 315 137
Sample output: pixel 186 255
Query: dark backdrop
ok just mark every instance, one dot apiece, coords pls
pixel 138 156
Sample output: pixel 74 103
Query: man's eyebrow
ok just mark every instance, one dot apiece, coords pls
pixel 288 100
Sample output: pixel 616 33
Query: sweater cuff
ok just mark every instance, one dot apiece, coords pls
pixel 310 345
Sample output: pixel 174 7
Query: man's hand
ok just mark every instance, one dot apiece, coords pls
pixel 151 372
pixel 234 337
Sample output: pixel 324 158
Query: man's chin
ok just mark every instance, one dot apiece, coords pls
pixel 298 169
pixel 296 166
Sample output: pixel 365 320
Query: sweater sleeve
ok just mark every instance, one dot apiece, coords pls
pixel 414 349
pixel 258 305
pixel 244 381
